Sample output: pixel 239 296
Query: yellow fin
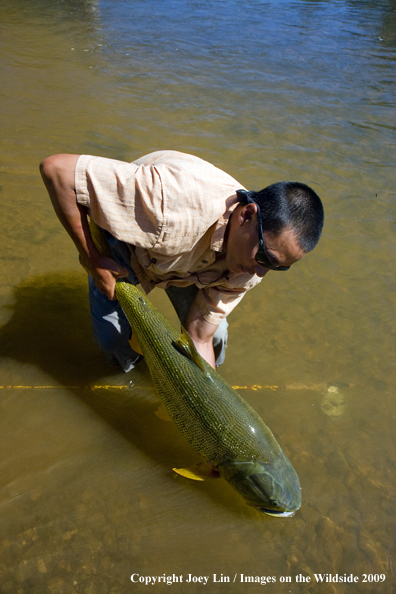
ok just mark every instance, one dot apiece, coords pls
pixel 162 413
pixel 201 471
pixel 133 341
pixel 99 239
pixel 84 265
pixel 186 346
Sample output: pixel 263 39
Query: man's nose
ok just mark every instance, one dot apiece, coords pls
pixel 260 270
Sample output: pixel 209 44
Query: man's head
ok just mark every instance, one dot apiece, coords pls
pixel 284 222
pixel 290 205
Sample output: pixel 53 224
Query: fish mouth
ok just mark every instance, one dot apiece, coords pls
pixel 277 514
pixel 265 487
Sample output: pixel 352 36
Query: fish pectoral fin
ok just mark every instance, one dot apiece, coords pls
pixel 162 413
pixel 186 347
pixel 201 471
pixel 134 344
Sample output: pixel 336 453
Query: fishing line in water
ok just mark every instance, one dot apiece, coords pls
pixel 254 387
pixel 333 401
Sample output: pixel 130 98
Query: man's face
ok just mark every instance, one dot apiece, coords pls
pixel 243 241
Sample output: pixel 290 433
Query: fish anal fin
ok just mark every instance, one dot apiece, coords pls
pixel 162 413
pixel 201 471
pixel 186 346
pixel 134 344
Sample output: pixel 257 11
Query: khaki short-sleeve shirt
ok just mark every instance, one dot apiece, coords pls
pixel 172 210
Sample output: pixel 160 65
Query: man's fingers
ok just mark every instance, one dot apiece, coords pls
pixel 107 289
pixel 114 268
pixel 105 275
pixel 123 272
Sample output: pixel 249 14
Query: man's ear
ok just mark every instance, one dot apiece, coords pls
pixel 247 213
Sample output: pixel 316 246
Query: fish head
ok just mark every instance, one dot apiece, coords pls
pixel 272 488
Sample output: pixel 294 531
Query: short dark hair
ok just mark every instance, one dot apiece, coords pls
pixel 291 205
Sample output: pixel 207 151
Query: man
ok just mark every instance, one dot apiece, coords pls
pixel 177 222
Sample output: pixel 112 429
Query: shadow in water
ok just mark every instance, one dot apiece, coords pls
pixel 51 330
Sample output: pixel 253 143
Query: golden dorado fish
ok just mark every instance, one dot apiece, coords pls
pixel 210 414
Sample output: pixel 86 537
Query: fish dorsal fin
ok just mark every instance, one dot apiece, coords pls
pixel 185 345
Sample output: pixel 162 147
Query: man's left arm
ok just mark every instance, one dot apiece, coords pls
pixel 216 302
pixel 201 333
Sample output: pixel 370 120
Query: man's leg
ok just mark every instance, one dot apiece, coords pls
pixel 111 328
pixel 181 299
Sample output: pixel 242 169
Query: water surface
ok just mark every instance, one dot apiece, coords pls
pixel 267 91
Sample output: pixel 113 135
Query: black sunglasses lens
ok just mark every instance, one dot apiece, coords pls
pixel 263 259
pixel 261 256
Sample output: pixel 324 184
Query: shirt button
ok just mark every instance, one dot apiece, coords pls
pixel 154 260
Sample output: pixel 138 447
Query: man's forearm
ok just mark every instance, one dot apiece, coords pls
pixel 58 176
pixel 201 333
pixel 205 349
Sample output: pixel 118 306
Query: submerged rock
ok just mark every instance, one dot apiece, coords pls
pixel 333 402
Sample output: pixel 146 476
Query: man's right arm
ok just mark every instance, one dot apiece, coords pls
pixel 58 176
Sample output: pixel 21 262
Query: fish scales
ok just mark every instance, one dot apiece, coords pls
pixel 208 412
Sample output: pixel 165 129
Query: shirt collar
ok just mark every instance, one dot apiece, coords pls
pixel 217 241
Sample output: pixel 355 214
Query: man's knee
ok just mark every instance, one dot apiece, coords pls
pixel 220 342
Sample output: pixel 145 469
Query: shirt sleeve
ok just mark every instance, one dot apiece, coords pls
pixel 215 303
pixel 123 198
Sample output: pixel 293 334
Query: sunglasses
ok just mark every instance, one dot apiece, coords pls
pixel 261 256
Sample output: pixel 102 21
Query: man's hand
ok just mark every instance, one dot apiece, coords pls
pixel 201 333
pixel 105 272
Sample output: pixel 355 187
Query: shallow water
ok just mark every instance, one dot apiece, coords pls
pixel 267 91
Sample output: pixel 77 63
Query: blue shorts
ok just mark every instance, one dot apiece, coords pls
pixel 111 328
